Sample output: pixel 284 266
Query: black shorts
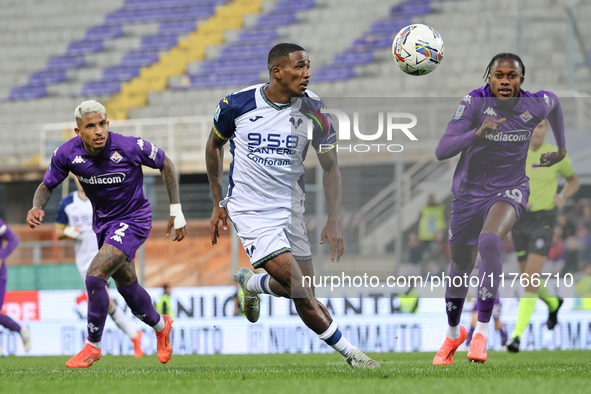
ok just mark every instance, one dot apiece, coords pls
pixel 533 233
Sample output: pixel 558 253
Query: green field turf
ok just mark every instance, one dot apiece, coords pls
pixel 526 372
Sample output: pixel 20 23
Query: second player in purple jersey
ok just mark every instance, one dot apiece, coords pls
pixel 491 129
pixel 112 180
pixel 108 166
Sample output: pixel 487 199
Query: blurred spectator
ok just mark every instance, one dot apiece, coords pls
pixel 587 215
pixel 557 247
pixel 583 289
pixel 164 305
pixel 431 221
pixel 409 301
pixel 577 212
pixel 415 249
pixel 568 226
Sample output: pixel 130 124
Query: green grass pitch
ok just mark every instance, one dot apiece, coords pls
pixel 526 372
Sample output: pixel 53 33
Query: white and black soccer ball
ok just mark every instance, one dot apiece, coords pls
pixel 417 49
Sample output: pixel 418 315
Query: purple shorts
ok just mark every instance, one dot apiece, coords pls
pixel 469 212
pixel 125 235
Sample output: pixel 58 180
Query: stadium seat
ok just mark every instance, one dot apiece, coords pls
pixel 158 42
pixel 334 74
pixel 139 59
pixel 47 77
pixel 84 47
pixel 120 73
pixel 100 33
pixel 176 28
pixel 100 88
pixel 353 59
pixel 27 92
pixel 65 62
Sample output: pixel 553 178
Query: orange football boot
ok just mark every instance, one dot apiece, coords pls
pixel 137 345
pixel 445 355
pixel 85 358
pixel 163 340
pixel 477 350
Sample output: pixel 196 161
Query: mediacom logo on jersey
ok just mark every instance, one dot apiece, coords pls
pixel 392 123
pixel 103 179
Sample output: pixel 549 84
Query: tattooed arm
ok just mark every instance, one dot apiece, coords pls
pixel 176 219
pixel 331 178
pixel 170 180
pixel 36 214
pixel 214 158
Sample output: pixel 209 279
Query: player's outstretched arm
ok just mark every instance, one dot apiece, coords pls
pixel 331 178
pixel 556 121
pixel 456 138
pixel 176 218
pixel 214 160
pixel 36 214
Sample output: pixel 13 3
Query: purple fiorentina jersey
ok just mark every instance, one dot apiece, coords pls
pixel 112 180
pixel 498 160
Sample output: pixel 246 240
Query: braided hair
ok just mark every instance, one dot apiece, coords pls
pixel 504 55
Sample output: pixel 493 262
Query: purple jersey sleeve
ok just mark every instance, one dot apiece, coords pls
pixel 58 169
pixel 554 116
pixel 460 132
pixel 147 153
pixel 6 234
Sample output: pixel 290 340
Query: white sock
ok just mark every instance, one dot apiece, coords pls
pixel 125 325
pixel 481 328
pixel 453 332
pixel 96 345
pixel 254 284
pixel 160 325
pixel 343 346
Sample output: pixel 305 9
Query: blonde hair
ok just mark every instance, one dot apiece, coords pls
pixel 89 107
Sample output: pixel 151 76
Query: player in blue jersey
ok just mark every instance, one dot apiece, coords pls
pixel 74 220
pixel 109 167
pixel 8 242
pixel 265 200
pixel 491 129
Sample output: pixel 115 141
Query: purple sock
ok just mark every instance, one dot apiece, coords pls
pixel 140 303
pixel 98 307
pixel 456 295
pixel 9 323
pixel 503 336
pixel 489 246
pixel 470 334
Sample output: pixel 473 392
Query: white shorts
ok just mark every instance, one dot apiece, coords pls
pixel 83 263
pixel 267 234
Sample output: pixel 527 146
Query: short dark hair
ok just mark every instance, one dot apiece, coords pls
pixel 504 55
pixel 281 50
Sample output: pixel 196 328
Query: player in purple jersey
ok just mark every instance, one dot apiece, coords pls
pixel 109 168
pixel 491 129
pixel 11 239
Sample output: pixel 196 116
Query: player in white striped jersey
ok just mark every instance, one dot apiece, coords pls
pixel 265 200
pixel 74 220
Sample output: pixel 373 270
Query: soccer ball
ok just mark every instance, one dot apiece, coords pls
pixel 418 49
